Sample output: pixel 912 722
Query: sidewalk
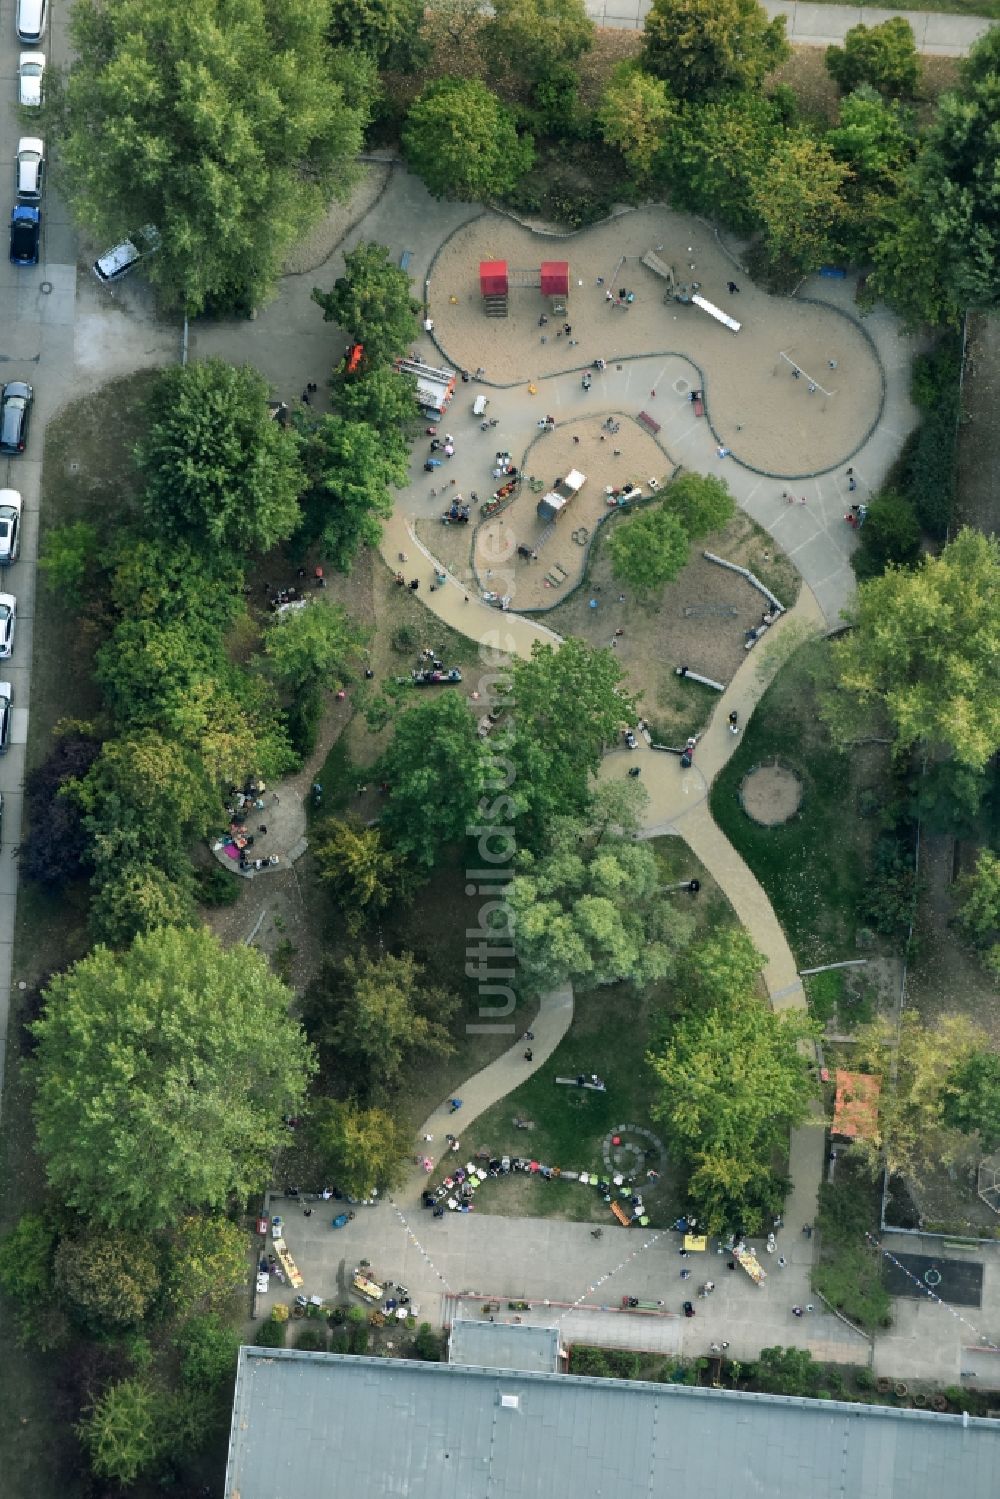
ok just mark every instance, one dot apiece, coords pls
pixel 819 25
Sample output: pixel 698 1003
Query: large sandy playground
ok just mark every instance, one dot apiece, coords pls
pixel 768 417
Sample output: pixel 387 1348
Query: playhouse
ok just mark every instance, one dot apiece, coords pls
pixel 553 505
pixel 435 387
pixel 496 279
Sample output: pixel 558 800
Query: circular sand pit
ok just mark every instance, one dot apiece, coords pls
pixel 771 794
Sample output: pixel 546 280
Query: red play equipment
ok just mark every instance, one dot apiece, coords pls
pixel 496 279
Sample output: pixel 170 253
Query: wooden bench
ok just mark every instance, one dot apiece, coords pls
pixel 649 422
pixel 620 1214
pixel 699 406
pixel 404 260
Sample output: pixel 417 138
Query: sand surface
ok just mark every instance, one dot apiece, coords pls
pixel 771 795
pixel 767 417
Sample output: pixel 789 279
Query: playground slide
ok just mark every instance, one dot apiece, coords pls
pixel 717 313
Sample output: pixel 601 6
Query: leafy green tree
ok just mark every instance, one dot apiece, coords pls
pixel 375 1013
pixel 217 469
pixel 162 1077
pixel 134 898
pixel 971 1101
pixel 910 271
pixel 463 143
pixel 633 114
pixel 923 654
pixel 891 536
pixel 589 910
pixel 722 963
pixel 206 1262
pixel 307 647
pixel 428 1344
pixel 713 153
pixel 876 140
pixel 649 549
pixel 384 398
pixel 372 303
pixel 436 768
pixel 799 200
pixel 979 900
pixel 67 561
pixel 884 56
pixel 122 1430
pixel 147 771
pixel 537 36
pixel 706 48
pixel 26 1276
pixel 701 502
pixel 209 1349
pixel 386 29
pixel 567 706
pixel 734 1081
pixel 353 862
pixel 349 467
pixel 363 1149
pixel 225 124
pixel 919 1067
pixel 108 1278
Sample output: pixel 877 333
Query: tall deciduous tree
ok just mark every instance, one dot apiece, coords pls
pixel 884 56
pixel 536 37
pixel 734 1081
pixel 217 469
pixel 349 466
pixel 375 1013
pixel 437 769
pixel 649 549
pixel 714 152
pixel 701 502
pixel 385 29
pixel 123 1430
pixel 798 199
pixel 108 1278
pixel 463 142
pixel 589 910
pixel 633 115
pixel 307 647
pixel 362 1149
pixel 163 1075
pixel 971 1101
pixel 354 863
pixel 567 705
pixel 225 123
pixel 384 398
pixel 372 303
pixel 924 652
pixel 705 48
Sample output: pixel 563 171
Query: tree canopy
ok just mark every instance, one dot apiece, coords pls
pixel 567 706
pixel 386 29
pixel 372 303
pixel 650 548
pixel 226 124
pixel 798 199
pixel 537 37
pixel 971 1098
pixel 701 502
pixel 633 113
pixel 589 910
pixel 317 645
pixel 355 864
pixel 362 1149
pixel 217 469
pixel 437 770
pixel 713 152
pixel 706 48
pixel 463 142
pixel 884 56
pixel 350 467
pixel 924 651
pixel 163 1075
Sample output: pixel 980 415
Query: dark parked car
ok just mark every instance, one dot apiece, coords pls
pixel 25 233
pixel 5 714
pixel 15 413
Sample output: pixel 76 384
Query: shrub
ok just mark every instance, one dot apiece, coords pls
pixel 312 1338
pixel 883 56
pixel 270 1335
pixel 304 717
pixel 215 886
pixel 358 1339
pixel 428 1345
pixel 891 534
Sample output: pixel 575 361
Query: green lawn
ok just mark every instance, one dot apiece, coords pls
pixel 812 867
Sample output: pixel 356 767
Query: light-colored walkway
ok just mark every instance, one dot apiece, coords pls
pixel 819 25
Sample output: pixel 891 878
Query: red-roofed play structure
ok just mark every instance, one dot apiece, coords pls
pixel 855 1109
pixel 496 279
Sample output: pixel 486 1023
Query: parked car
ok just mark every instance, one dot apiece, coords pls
pixel 6 693
pixel 15 414
pixel 119 261
pixel 30 20
pixel 29 169
pixel 10 526
pixel 25 234
pixel 30 73
pixel 8 622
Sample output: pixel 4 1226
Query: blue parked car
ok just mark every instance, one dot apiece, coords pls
pixel 25 234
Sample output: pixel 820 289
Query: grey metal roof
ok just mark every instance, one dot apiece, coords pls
pixel 502 1345
pixel 308 1425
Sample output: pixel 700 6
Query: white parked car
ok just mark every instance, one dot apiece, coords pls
pixel 30 20
pixel 10 526
pixel 8 619
pixel 29 168
pixel 30 72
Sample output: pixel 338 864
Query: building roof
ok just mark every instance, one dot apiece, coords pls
pixel 855 1107
pixel 503 1345
pixel 306 1425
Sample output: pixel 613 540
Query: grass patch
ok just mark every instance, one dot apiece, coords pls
pixel 849 1273
pixel 812 867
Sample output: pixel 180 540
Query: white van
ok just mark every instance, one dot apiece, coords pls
pixel 30 20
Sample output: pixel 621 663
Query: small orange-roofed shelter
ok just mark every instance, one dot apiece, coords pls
pixel 855 1109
